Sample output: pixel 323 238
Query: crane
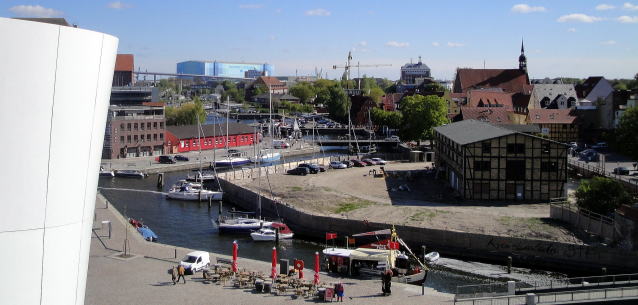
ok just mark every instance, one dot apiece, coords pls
pixel 348 66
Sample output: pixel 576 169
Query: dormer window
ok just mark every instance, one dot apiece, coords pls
pixel 538 116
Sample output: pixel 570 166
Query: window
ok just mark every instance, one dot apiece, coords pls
pixel 482 166
pixel 515 170
pixel 128 126
pixel 515 148
pixel 486 147
pixel 128 139
pixel 154 137
pixel 148 125
pixel 142 126
pixel 545 147
pixel 161 125
pixel 134 126
pixel 161 136
pixel 135 138
pixel 148 137
pixel 122 126
pixel 122 139
pixel 549 166
pixel 155 125
pixel 481 188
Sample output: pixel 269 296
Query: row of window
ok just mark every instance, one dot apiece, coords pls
pixel 209 142
pixel 141 126
pixel 142 138
pixel 514 148
pixel 515 169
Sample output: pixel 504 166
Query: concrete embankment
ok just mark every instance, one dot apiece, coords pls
pixel 525 252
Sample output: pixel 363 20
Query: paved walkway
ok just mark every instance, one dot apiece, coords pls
pixel 144 279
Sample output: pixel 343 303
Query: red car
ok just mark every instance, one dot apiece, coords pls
pixel 369 162
pixel 357 163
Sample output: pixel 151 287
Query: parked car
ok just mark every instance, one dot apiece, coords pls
pixel 165 160
pixel 393 138
pixel 337 165
pixel 347 163
pixel 588 155
pixel 368 162
pixel 180 158
pixel 299 171
pixel 621 171
pixel 357 163
pixel 195 261
pixel 379 161
pixel 314 168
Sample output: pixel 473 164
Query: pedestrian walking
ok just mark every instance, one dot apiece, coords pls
pixel 180 272
pixel 339 291
pixel 386 279
pixel 174 275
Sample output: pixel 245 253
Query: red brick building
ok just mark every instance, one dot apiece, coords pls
pixel 276 86
pixel 181 139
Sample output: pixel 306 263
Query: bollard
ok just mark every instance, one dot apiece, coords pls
pixel 210 202
pixel 108 223
pixel 511 288
pixel 530 299
pixel 509 264
pixel 175 256
pixel 160 180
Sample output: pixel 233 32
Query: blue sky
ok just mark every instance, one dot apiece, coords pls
pixel 574 38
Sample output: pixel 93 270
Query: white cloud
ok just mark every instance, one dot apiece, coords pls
pixel 35 11
pixel 250 6
pixel 278 11
pixel 118 5
pixel 396 44
pixel 318 12
pixel 608 42
pixel 525 9
pixel 436 44
pixel 579 18
pixel 571 30
pixel 455 44
pixel 627 19
pixel 604 7
pixel 629 6
pixel 363 43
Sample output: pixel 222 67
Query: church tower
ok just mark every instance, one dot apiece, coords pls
pixel 522 60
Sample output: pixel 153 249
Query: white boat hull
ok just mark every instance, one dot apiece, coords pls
pixel 195 196
pixel 267 157
pixel 241 228
pixel 256 236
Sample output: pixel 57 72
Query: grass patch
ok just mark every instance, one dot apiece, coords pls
pixel 426 215
pixel 296 188
pixel 351 205
pixel 533 224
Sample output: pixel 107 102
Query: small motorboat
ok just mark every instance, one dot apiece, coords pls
pixel 270 233
pixel 241 225
pixel 231 161
pixel 106 173
pixel 432 257
pixel 184 190
pixel 144 230
pixel 201 177
pixel 266 156
pixel 129 173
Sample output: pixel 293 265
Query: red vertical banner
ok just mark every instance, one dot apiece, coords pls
pixel 234 266
pixel 273 271
pixel 316 279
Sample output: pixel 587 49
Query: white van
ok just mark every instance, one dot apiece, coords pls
pixel 195 261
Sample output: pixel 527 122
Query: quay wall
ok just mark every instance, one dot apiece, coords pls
pixel 525 252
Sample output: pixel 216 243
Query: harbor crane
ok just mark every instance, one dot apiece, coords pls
pixel 349 66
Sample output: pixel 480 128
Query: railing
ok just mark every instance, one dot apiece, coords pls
pixel 485 290
pixel 585 212
pixel 581 282
pixel 557 297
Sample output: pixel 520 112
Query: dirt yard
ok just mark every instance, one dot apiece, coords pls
pixel 355 193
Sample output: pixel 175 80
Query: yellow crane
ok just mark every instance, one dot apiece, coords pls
pixel 349 66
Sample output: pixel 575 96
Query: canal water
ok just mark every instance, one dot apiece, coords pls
pixel 192 225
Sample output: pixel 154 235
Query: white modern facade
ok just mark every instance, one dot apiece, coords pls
pixel 55 83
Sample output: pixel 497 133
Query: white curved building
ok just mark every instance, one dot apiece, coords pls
pixel 54 93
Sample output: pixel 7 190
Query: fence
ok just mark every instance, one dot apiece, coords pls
pixel 565 297
pixel 582 282
pixel 631 183
pixel 486 290
pixel 584 219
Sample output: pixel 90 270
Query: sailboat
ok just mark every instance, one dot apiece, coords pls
pixel 230 160
pixel 187 190
pixel 266 155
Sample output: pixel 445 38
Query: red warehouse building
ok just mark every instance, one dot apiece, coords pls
pixel 181 139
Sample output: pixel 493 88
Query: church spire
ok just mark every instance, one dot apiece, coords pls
pixel 522 59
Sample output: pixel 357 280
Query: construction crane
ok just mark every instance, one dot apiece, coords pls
pixel 349 66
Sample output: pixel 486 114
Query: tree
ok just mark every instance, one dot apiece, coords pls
pixel 601 195
pixel 338 103
pixel 375 93
pixel 186 114
pixel 304 91
pixel 420 115
pixel 627 132
pixel 391 119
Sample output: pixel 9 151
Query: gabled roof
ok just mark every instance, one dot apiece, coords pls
pixel 587 86
pixel 124 62
pixel 486 98
pixel 511 80
pixel 271 81
pixel 551 116
pixel 470 131
pixel 190 131
pixel 494 115
pixel 523 128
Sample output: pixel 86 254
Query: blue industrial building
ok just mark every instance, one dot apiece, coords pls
pixel 222 69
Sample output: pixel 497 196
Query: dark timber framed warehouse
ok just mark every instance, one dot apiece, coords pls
pixel 482 161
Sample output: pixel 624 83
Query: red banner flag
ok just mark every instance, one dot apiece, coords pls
pixel 351 241
pixel 330 236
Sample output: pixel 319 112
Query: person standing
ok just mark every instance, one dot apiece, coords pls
pixel 339 291
pixel 180 272
pixel 387 282
pixel 174 275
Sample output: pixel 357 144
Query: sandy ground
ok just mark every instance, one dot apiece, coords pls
pixel 354 193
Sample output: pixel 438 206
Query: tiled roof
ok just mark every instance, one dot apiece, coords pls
pixel 470 131
pixel 587 86
pixel 190 131
pixel 484 98
pixel 511 80
pixel 494 115
pixel 272 81
pixel 524 128
pixel 124 62
pixel 551 116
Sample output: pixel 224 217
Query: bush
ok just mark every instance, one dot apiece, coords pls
pixel 601 195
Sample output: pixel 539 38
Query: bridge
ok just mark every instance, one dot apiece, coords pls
pixel 595 169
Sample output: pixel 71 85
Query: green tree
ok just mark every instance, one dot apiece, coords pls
pixel 601 195
pixel 338 103
pixel 186 114
pixel 376 94
pixel 420 115
pixel 627 132
pixel 304 91
pixel 391 119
